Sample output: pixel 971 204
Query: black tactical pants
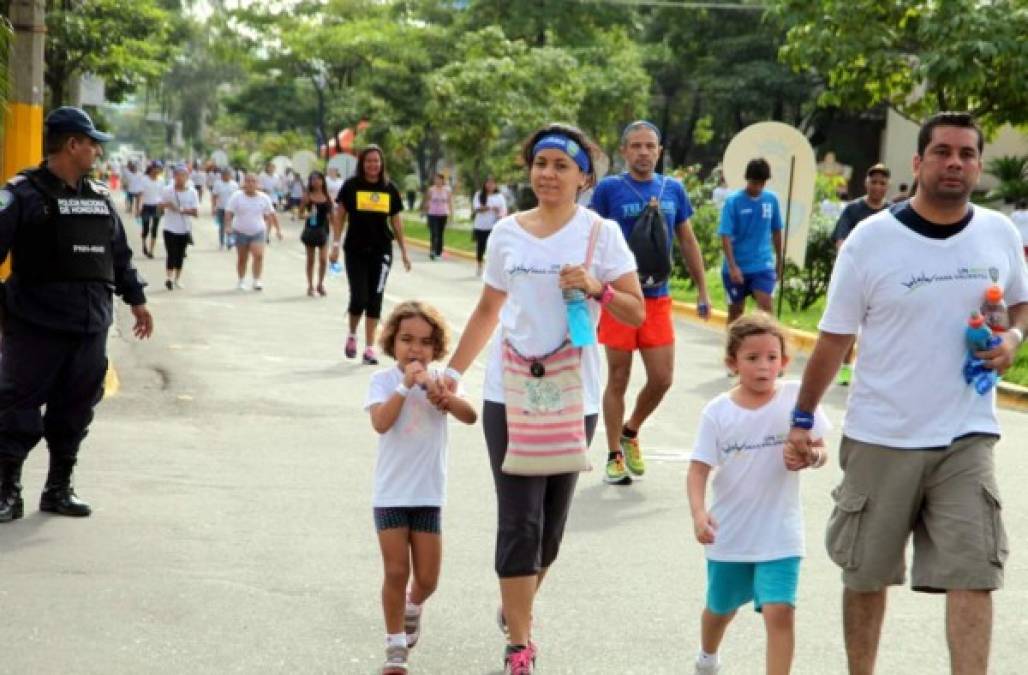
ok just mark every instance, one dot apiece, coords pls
pixel 64 371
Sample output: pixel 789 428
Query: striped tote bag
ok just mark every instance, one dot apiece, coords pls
pixel 545 414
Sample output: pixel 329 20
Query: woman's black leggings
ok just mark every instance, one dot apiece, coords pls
pixel 436 226
pixel 175 245
pixel 481 239
pixel 150 214
pixel 531 511
pixel 367 273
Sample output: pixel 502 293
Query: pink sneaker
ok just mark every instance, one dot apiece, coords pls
pixel 351 347
pixel 369 357
pixel 519 660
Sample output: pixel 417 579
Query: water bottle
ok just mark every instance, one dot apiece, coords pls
pixel 994 309
pixel 335 269
pixel 580 323
pixel 230 240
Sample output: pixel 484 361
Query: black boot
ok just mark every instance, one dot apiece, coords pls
pixel 58 495
pixel 11 505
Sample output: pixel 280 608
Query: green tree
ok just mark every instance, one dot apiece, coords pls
pixel 716 72
pixel 125 43
pixel 490 97
pixel 918 56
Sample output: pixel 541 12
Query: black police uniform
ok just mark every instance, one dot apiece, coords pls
pixel 69 254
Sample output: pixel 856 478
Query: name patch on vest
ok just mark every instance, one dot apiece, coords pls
pixel 86 248
pixel 83 207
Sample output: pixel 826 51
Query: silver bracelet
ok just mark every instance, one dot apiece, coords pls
pixel 402 390
pixel 452 373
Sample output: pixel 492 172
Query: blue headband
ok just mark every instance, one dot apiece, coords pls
pixel 566 145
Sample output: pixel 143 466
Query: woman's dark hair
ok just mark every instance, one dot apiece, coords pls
pixel 575 134
pixel 482 196
pixel 383 177
pixel 324 184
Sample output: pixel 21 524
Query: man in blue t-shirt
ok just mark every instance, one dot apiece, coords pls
pixel 751 236
pixel 623 198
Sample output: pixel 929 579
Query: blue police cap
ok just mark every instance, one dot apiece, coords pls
pixel 68 119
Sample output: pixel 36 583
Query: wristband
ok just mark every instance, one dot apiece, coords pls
pixel 402 390
pixel 802 419
pixel 1019 333
pixel 452 373
pixel 605 296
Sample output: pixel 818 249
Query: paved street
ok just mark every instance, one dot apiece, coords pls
pixel 232 532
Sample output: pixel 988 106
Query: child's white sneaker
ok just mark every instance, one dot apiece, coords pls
pixel 705 667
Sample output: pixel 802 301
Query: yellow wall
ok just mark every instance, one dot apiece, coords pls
pixel 23 147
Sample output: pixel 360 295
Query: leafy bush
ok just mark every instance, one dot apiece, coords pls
pixel 805 287
pixel 1012 173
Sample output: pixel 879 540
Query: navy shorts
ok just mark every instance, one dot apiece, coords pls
pixel 763 281
pixel 414 518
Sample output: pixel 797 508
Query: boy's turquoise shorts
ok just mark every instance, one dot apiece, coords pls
pixel 730 585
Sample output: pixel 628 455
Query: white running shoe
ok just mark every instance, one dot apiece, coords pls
pixel 242 285
pixel 257 285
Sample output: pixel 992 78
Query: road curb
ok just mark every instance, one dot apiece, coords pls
pixel 1011 396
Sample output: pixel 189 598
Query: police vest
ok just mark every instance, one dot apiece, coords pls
pixel 72 242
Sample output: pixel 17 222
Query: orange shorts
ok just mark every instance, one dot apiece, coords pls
pixel 657 329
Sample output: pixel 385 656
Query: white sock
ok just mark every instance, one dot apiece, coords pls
pixel 413 609
pixel 397 640
pixel 705 659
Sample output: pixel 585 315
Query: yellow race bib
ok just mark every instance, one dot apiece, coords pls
pixel 378 202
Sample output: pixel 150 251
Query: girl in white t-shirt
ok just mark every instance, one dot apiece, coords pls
pixel 753 531
pixel 408 409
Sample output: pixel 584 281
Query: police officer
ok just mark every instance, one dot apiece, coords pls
pixel 68 254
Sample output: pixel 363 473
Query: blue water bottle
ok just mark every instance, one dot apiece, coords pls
pixel 335 269
pixel 580 322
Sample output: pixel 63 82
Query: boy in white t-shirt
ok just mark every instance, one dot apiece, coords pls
pixel 410 474
pixel 753 531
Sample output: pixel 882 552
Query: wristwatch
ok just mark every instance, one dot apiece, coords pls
pixel 605 296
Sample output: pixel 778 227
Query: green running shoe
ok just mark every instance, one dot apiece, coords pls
pixel 616 472
pixel 633 455
pixel 845 375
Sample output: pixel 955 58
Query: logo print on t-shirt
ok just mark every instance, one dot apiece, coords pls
pixel 377 202
pixel 766 211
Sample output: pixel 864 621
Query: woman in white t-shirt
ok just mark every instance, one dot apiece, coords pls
pixel 148 207
pixel 489 206
pixel 248 215
pixel 181 204
pixel 753 530
pixel 1020 217
pixel 533 258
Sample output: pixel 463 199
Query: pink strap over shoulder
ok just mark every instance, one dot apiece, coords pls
pixel 594 234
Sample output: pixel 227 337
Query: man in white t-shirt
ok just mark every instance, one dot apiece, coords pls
pixel 248 214
pixel 918 440
pixel 272 186
pixel 222 189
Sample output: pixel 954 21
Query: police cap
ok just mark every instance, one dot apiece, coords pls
pixel 68 119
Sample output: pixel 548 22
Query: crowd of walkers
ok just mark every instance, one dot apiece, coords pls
pixel 561 279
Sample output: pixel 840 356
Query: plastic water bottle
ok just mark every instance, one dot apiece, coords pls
pixel 580 323
pixel 335 269
pixel 994 309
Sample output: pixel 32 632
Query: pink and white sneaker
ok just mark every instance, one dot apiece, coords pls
pixel 351 347
pixel 369 357
pixel 519 660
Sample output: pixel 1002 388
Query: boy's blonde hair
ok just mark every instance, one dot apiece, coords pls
pixel 410 310
pixel 757 323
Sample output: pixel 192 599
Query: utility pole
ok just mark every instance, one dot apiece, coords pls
pixel 23 122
